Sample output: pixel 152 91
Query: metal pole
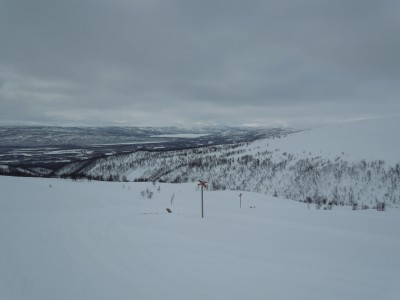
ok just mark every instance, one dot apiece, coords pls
pixel 202 208
pixel 203 184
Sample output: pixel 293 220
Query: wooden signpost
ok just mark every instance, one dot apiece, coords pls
pixel 240 196
pixel 203 184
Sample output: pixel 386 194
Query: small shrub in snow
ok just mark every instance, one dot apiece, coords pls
pixel 380 206
pixel 308 201
pixel 364 206
pixel 149 194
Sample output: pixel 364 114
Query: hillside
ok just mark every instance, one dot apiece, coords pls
pixel 351 164
pixel 376 139
pixel 98 240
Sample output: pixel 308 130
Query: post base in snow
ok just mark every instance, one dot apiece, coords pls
pixel 168 210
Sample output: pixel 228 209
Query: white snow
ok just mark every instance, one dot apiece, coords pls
pixel 128 143
pixel 375 139
pixel 181 135
pixel 96 240
pixel 57 152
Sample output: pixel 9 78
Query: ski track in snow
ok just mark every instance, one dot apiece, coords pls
pixel 94 240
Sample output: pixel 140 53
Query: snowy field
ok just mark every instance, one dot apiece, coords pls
pixel 374 139
pixel 97 240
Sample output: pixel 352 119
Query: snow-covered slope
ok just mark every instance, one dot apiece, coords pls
pixel 351 164
pixel 377 139
pixel 95 240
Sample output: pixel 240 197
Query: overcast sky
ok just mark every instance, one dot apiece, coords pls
pixel 169 62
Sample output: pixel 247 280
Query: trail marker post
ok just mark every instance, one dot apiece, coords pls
pixel 203 184
pixel 240 196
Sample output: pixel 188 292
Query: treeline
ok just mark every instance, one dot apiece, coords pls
pixel 251 168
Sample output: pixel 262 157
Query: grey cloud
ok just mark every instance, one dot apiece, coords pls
pixel 187 61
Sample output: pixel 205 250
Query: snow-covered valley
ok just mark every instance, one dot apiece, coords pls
pixel 62 239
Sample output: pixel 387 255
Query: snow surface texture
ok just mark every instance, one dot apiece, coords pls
pixel 376 139
pixel 349 164
pixel 95 240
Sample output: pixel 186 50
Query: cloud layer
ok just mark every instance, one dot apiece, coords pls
pixel 155 62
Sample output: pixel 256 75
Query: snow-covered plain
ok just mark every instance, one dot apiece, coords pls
pixel 95 240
